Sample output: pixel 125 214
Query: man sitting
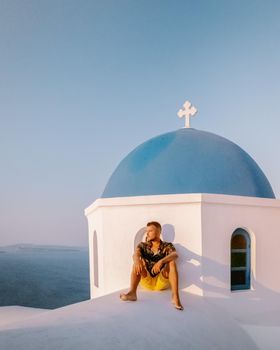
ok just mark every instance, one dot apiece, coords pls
pixel 154 266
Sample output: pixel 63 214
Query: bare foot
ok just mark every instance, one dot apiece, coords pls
pixel 177 304
pixel 130 296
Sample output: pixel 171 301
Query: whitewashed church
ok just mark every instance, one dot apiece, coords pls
pixel 215 205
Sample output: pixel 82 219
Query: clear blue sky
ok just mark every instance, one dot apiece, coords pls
pixel 84 82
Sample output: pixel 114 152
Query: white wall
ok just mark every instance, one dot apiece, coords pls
pixel 261 219
pixel 117 222
pixel 200 226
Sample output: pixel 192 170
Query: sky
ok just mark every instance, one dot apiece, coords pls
pixel 85 82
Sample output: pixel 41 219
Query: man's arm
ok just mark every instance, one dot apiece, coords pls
pixel 171 253
pixel 136 256
pixel 137 266
pixel 169 257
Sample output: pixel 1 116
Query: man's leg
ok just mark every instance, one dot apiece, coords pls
pixel 134 281
pixel 170 272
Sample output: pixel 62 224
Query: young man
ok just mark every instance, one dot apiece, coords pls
pixel 154 266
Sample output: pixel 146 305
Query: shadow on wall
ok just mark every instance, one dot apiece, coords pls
pixel 167 234
pixel 139 237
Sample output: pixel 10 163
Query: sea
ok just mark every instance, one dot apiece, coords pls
pixel 43 276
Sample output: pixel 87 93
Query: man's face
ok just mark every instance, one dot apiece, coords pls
pixel 152 232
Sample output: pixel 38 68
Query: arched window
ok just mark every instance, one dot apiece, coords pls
pixel 95 260
pixel 240 259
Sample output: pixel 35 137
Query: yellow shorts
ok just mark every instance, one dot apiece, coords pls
pixel 159 282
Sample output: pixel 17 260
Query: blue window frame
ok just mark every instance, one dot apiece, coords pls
pixel 240 260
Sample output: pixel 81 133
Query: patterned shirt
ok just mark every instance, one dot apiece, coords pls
pixel 150 257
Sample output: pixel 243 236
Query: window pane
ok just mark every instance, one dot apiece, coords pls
pixel 238 259
pixel 238 242
pixel 238 277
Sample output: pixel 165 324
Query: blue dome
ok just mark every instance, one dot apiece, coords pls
pixel 188 161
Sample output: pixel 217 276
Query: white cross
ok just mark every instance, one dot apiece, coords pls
pixel 188 111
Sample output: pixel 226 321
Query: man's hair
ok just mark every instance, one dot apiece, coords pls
pixel 156 224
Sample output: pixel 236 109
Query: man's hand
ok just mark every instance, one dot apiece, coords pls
pixel 157 266
pixel 137 267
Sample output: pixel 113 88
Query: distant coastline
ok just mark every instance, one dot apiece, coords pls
pixel 40 247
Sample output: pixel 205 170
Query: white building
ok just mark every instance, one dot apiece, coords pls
pixel 215 205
